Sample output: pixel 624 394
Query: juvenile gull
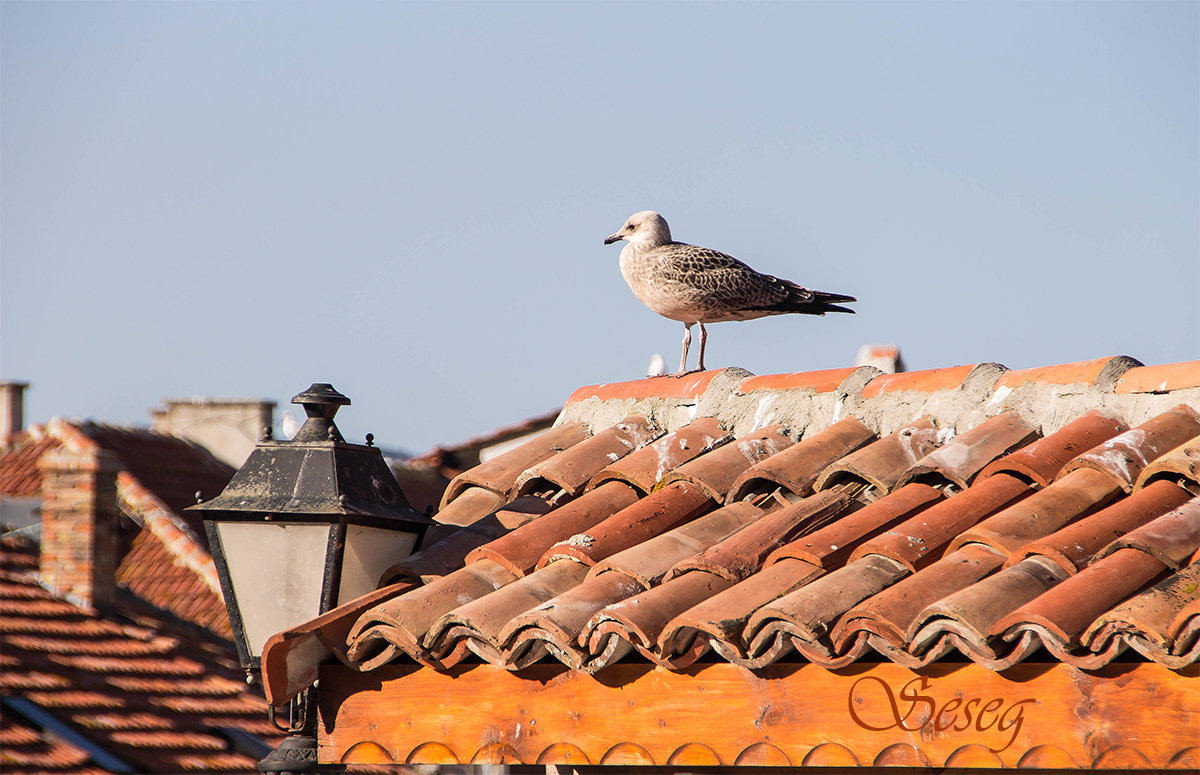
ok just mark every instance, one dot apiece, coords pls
pixel 696 285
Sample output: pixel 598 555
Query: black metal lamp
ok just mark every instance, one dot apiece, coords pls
pixel 303 526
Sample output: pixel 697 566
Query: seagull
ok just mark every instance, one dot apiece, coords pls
pixel 696 285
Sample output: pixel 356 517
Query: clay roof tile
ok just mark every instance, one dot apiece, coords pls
pixel 959 460
pixel 1181 464
pixel 911 546
pixel 499 474
pixel 645 468
pixel 797 467
pixel 881 463
pixel 1171 538
pixel 1040 461
pixel 1125 456
pixel 571 469
pixel 716 471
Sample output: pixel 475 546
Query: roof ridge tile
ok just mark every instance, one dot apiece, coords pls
pixel 923 381
pixel 1100 372
pixel 821 381
pixel 1162 378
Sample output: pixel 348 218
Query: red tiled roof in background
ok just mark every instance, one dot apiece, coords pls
pixel 155 694
pixel 19 475
pixel 143 684
pixel 166 562
pixel 969 510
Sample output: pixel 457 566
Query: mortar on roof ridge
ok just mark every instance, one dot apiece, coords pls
pixel 765 404
pixel 999 395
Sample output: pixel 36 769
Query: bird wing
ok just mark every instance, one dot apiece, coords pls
pixel 722 280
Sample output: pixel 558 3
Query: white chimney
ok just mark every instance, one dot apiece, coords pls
pixel 226 427
pixel 885 357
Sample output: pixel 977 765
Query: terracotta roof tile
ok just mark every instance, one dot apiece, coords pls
pixel 1153 621
pixel 520 550
pixel 924 381
pixel 688 386
pixel 165 563
pixel 19 474
pixel 480 622
pixel 924 536
pixel 1125 456
pixel 1065 500
pixel 963 457
pixel 882 463
pixel 817 381
pixel 889 613
pixel 661 510
pixel 830 546
pixel 500 474
pixel 1073 546
pixel 741 554
pixel 650 561
pixel 1041 461
pixel 131 684
pixel 716 471
pixel 1100 370
pixel 1171 538
pixel 1065 611
pixel 904 526
pixel 1181 464
pixel 1160 379
pixel 646 467
pixel 797 467
pixel 573 468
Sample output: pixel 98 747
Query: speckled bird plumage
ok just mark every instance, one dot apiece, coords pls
pixel 697 285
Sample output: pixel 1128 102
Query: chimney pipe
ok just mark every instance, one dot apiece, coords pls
pixel 12 407
pixel 80 520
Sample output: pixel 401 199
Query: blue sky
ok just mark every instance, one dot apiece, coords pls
pixel 408 200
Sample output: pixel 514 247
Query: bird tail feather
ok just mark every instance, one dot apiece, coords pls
pixel 808 302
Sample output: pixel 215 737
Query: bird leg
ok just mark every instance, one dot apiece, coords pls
pixel 703 340
pixel 687 343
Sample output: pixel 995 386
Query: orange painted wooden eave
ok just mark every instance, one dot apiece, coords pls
pixel 1133 715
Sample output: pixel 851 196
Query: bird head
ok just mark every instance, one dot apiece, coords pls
pixel 646 227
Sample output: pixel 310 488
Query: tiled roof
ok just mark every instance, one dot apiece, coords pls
pixel 82 690
pixel 19 475
pixel 166 561
pixel 828 516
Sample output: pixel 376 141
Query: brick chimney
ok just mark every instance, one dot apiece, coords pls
pixel 79 526
pixel 12 407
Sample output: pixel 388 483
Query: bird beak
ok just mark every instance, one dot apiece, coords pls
pixel 611 238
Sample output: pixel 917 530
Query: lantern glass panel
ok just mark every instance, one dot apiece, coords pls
pixel 277 571
pixel 369 552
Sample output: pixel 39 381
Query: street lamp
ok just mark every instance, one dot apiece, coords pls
pixel 304 526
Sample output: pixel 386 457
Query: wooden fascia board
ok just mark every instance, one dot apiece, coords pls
pixel 1134 715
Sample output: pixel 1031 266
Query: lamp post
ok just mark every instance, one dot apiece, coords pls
pixel 305 525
